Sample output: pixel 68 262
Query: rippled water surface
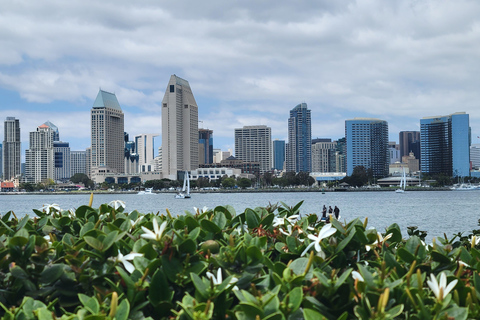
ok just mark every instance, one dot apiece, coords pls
pixel 436 212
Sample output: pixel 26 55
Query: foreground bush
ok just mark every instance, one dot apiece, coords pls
pixel 264 263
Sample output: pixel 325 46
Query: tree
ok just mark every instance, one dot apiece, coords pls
pixel 244 183
pixel 228 183
pixel 203 182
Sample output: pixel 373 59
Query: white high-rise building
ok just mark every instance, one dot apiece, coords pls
pixel 146 151
pixel 254 144
pixel 107 125
pixel 40 157
pixel 323 155
pixel 78 163
pixel 179 128
pixel 11 149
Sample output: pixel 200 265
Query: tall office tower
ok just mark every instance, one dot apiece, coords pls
pixel 340 155
pixel 159 160
pixel 40 157
pixel 1 161
pixel 205 146
pixel 254 144
pixel 409 141
pixel 146 150
pixel 278 154
pixel 88 162
pixel 445 145
pixel 11 149
pixel 56 134
pixel 299 147
pixel 78 162
pixel 61 152
pixel 323 155
pixel 179 128
pixel 107 123
pixel 367 143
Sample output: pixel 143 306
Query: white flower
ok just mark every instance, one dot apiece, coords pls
pixel 157 232
pixel 133 223
pixel 241 228
pixel 357 276
pixel 440 290
pixel 289 232
pixel 125 260
pixel 218 280
pixel 49 207
pixel 71 213
pixel 117 204
pixel 380 240
pixel 474 241
pixel 325 232
pixel 199 211
pixel 281 221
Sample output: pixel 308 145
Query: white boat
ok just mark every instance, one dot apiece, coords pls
pixel 403 183
pixel 464 187
pixel 185 193
pixel 147 191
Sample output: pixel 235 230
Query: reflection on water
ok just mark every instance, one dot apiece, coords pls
pixel 436 212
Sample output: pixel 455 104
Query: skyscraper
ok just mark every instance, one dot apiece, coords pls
pixel 107 124
pixel 445 145
pixel 299 148
pixel 61 152
pixel 179 128
pixel 40 157
pixel 367 144
pixel 205 146
pixel 146 151
pixel 78 162
pixel 278 154
pixel 409 141
pixel 254 144
pixel 56 134
pixel 11 149
pixel 323 155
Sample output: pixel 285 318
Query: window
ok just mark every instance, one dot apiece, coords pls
pixel 172 88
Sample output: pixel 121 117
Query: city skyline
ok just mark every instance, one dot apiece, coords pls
pixel 248 65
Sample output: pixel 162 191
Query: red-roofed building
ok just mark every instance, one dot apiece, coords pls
pixel 7 186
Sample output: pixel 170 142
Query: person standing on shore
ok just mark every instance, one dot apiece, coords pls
pixel 337 212
pixel 324 212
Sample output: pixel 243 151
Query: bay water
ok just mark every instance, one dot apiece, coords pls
pixel 437 212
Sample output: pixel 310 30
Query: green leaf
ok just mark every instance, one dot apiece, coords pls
pixel 86 228
pixel 405 255
pixel 159 289
pixel 94 243
pixel 188 246
pixel 439 257
pixel 251 310
pixel 109 240
pixel 52 274
pixel 252 219
pixel 346 241
pixel 254 254
pixel 267 220
pixel 19 273
pixel 310 314
pixel 90 303
pixel 202 289
pixel 123 310
pixel 294 298
pixel 220 220
pixel 209 226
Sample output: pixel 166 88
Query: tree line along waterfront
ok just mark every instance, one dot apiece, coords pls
pixel 360 178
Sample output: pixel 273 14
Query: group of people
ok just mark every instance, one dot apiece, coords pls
pixel 335 211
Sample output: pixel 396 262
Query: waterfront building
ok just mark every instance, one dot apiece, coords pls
pixel 475 155
pixel 55 132
pixel 107 133
pixel 445 145
pixel 78 162
pixel 215 173
pixel 145 146
pixel 278 154
pixel 340 155
pixel 299 147
pixel 409 142
pixel 131 156
pixel 323 155
pixel 62 160
pixel 393 152
pixel 159 160
pixel 40 156
pixel 11 150
pixel 205 146
pixel 367 144
pixel 254 144
pixel 179 128
pixel 1 161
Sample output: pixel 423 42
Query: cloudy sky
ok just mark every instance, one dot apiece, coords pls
pixel 247 62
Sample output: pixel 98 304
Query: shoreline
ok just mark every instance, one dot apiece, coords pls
pixel 267 190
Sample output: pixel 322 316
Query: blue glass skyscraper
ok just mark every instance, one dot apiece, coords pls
pixel 278 154
pixel 367 145
pixel 445 144
pixel 299 148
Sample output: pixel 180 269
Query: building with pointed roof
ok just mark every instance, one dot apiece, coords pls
pixel 107 134
pixel 56 134
pixel 179 128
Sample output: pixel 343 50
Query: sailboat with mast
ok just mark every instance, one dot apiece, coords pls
pixel 403 183
pixel 185 193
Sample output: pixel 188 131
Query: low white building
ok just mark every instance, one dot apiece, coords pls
pixel 214 173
